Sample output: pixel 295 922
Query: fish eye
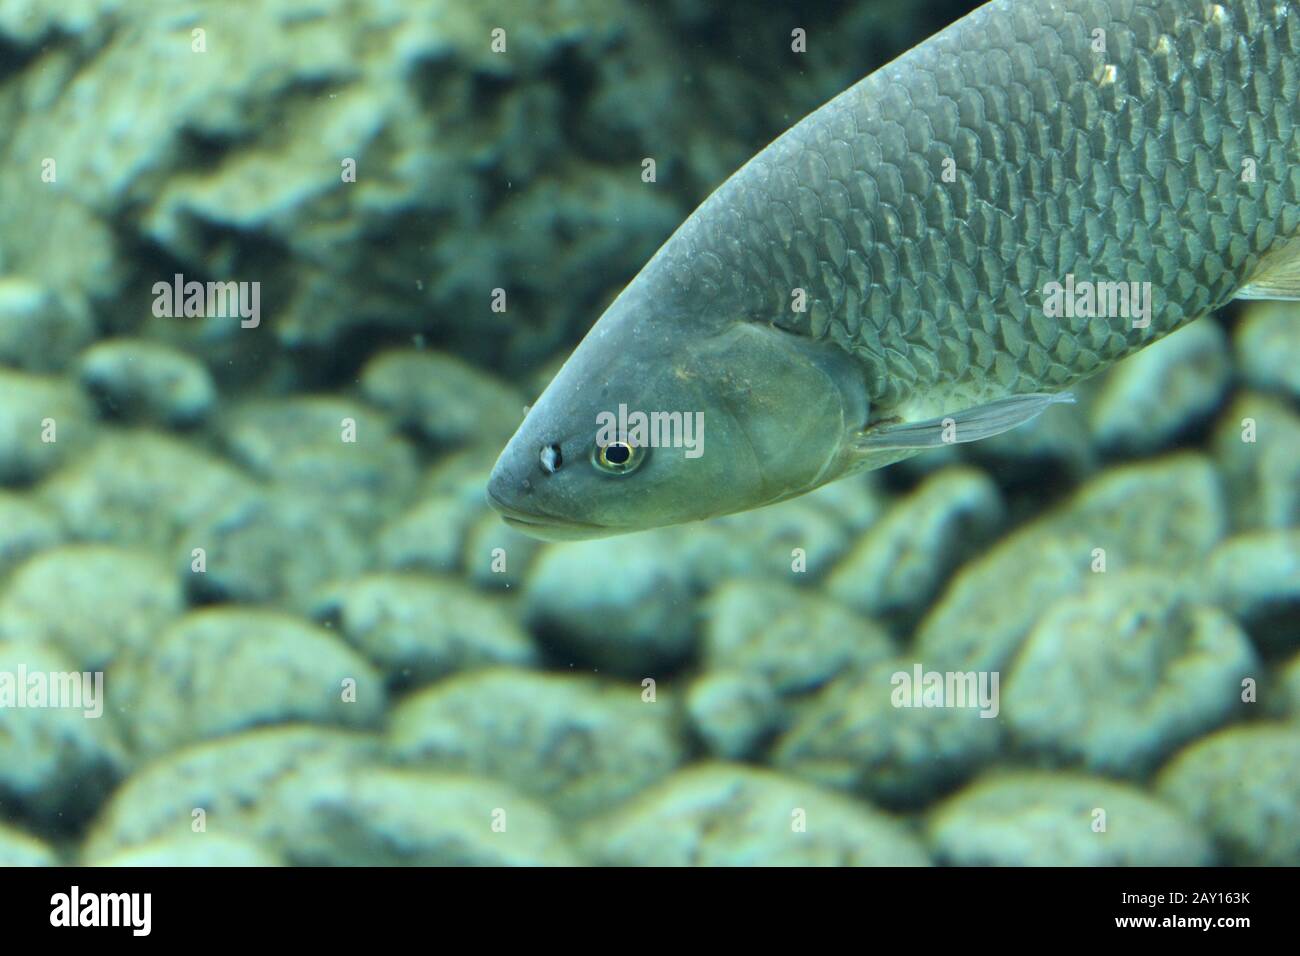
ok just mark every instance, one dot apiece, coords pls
pixel 617 458
pixel 551 459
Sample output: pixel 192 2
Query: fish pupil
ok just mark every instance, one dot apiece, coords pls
pixel 618 454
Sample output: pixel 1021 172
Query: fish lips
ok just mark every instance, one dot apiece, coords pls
pixel 546 527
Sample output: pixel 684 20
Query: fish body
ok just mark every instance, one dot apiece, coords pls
pixel 938 253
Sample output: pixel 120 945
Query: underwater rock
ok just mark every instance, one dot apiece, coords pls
pixel 1289 674
pixel 44 422
pixel 857 734
pixel 30 26
pixel 433 534
pixel 496 556
pixel 1166 513
pixel 194 849
pixel 579 744
pixel 857 501
pixel 385 817
pixel 1267 352
pixel 27 526
pixel 571 238
pixel 797 541
pixel 1061 819
pixel 272 547
pixel 791 639
pixel 97 603
pixel 140 488
pixel 141 380
pixel 589 24
pixel 901 561
pixel 626 607
pixel 219 671
pixel 1256 443
pixel 441 397
pixel 716 814
pixel 309 135
pixel 39 331
pixel 732 712
pixel 251 785
pixel 993 601
pixel 430 536
pixel 1256 578
pixel 18 848
pixel 56 762
pixel 417 629
pixel 1150 399
pixel 1241 785
pixel 344 453
pixel 1120 675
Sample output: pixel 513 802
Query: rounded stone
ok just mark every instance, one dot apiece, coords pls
pixel 860 733
pixel 794 639
pixel 446 400
pixel 418 628
pixel 900 562
pixel 1265 343
pixel 1122 674
pixel 98 603
pixel 40 331
pixel 626 608
pixel 196 850
pixel 1190 370
pixel 732 712
pixel 44 422
pixel 1242 786
pixel 579 744
pixel 141 380
pixel 1044 819
pixel 253 786
pixel 217 672
pixel 141 488
pixel 21 849
pixel 716 814
pixel 27 526
pixel 57 763
pixel 269 547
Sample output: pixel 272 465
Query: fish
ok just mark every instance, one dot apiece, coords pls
pixel 934 256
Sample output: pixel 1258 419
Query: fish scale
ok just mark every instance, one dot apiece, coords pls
pixel 1115 165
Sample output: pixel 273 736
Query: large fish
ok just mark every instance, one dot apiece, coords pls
pixel 935 255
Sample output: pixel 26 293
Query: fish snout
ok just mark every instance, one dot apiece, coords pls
pixel 506 490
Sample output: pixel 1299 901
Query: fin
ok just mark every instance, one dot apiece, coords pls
pixel 1278 276
pixel 973 424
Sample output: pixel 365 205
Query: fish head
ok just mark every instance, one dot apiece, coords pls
pixel 747 415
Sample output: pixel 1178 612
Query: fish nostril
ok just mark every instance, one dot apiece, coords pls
pixel 551 459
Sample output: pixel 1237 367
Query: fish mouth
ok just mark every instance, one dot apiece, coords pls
pixel 546 527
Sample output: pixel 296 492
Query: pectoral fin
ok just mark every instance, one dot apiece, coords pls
pixel 1278 276
pixel 972 424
